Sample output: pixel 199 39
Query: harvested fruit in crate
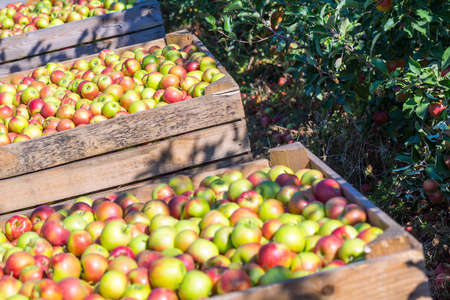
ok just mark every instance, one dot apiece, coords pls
pixel 22 17
pixel 228 234
pixel 57 97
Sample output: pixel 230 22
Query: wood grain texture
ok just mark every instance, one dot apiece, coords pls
pixel 124 167
pixel 394 239
pixel 31 62
pixel 142 189
pixel 119 133
pixel 143 16
pixel 400 276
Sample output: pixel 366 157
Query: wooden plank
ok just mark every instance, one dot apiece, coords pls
pixel 294 155
pixel 119 133
pixel 143 189
pixel 27 63
pixel 394 239
pixel 398 276
pixel 123 167
pixel 144 15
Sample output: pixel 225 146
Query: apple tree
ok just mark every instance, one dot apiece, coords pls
pixel 385 62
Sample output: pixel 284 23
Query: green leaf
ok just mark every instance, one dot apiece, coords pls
pixel 404 158
pixel 211 20
pixel 338 63
pixel 234 5
pixel 317 44
pixel 380 64
pixel 422 108
pixel 374 85
pixel 415 155
pixel 389 24
pixel 424 14
pixel 413 140
pixel 433 172
pixel 343 27
pixel 374 42
pixel 441 166
pixel 414 66
pixel 422 27
pixel 446 58
pixel 296 10
pixel 367 3
pixel 227 26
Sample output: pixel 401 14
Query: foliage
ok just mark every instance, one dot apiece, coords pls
pixel 352 55
pixel 350 62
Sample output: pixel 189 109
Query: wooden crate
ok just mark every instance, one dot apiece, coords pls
pixel 139 24
pixel 394 266
pixel 115 153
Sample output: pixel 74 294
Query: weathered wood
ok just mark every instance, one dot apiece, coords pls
pixel 31 62
pixel 398 276
pixel 144 15
pixel 143 189
pixel 118 133
pixel 293 155
pixel 123 167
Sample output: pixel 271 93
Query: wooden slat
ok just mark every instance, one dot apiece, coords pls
pixel 32 62
pixel 143 189
pixel 144 15
pixel 123 167
pixel 400 276
pixel 118 133
pixel 394 239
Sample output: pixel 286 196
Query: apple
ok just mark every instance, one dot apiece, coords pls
pixel 16 226
pixel 107 209
pixel 93 266
pixel 245 253
pixel 233 280
pixel 202 250
pixel 270 209
pixel 394 64
pixel 181 184
pixel 167 272
pixel 345 232
pixel 78 241
pixel 195 285
pixel 113 284
pixel 385 5
pixel 162 238
pixel 31 272
pixel 245 232
pixel 115 234
pixel 307 261
pixel 64 265
pixel 275 274
pixel 291 236
pixel 351 250
pixel 184 239
pixel 352 215
pixel 326 189
pixel 268 189
pixel 314 211
pixel 369 234
pixel 17 261
pixel 196 207
pixel 309 176
pixel 73 288
pixel 327 247
pixel 274 254
pixel 147 257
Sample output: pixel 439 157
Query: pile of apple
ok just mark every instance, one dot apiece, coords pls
pixel 229 234
pixel 56 97
pixel 20 17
